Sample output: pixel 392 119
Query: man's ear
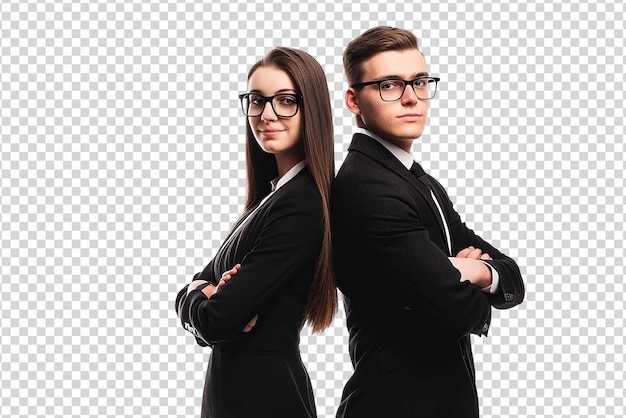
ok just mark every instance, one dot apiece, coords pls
pixel 351 101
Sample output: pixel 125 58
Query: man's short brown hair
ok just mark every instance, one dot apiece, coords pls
pixel 370 43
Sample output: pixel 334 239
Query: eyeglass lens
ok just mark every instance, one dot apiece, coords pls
pixel 285 105
pixel 392 90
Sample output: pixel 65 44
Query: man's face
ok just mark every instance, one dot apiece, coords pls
pixel 401 121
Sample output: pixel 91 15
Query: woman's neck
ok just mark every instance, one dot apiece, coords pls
pixel 285 163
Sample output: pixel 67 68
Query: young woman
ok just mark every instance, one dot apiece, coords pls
pixel 273 272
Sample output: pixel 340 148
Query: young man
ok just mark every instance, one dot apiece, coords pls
pixel 416 281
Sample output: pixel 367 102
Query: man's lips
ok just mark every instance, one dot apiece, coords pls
pixel 410 116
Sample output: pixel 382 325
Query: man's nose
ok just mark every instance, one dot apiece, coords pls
pixel 409 96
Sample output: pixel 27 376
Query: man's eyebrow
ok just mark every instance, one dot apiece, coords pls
pixel 422 74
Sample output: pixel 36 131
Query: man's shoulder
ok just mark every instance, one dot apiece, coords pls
pixel 358 163
pixel 358 172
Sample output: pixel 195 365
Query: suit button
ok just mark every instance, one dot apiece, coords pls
pixel 509 297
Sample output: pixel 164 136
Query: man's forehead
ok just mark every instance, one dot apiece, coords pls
pixel 407 63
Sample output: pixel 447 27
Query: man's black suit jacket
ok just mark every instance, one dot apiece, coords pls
pixel 408 314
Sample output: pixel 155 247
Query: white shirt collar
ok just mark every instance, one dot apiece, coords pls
pixel 277 183
pixel 404 157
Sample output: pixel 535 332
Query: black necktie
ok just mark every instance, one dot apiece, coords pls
pixel 425 187
pixel 419 172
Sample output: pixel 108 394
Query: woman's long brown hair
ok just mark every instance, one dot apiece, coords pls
pixel 318 144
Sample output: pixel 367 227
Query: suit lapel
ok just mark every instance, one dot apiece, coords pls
pixel 377 152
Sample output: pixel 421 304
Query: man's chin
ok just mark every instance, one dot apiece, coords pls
pixel 408 134
pixel 409 137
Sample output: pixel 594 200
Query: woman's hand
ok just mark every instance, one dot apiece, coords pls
pixel 226 277
pixel 251 324
pixel 207 290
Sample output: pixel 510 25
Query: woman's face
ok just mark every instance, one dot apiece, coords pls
pixel 276 135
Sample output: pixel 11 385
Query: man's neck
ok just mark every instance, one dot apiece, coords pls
pixel 404 144
pixel 404 156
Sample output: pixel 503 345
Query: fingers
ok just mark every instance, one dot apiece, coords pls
pixel 232 271
pixel 470 252
pixel 475 253
pixel 251 324
pixel 464 252
pixel 227 275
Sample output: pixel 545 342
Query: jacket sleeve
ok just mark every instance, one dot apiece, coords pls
pixel 383 253
pixel 511 286
pixel 290 238
pixel 183 315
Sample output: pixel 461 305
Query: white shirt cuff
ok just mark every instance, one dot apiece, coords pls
pixel 495 279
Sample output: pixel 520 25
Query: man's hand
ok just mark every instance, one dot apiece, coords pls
pixel 472 270
pixel 475 253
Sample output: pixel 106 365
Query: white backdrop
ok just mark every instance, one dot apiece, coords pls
pixel 122 169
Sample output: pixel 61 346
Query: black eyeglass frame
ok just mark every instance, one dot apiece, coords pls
pixel 270 99
pixel 409 82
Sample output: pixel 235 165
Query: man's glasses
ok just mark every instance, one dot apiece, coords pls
pixel 392 89
pixel 284 105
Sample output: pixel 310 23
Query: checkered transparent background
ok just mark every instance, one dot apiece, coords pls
pixel 122 169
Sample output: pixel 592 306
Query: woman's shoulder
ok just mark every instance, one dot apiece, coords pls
pixel 301 182
pixel 300 191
